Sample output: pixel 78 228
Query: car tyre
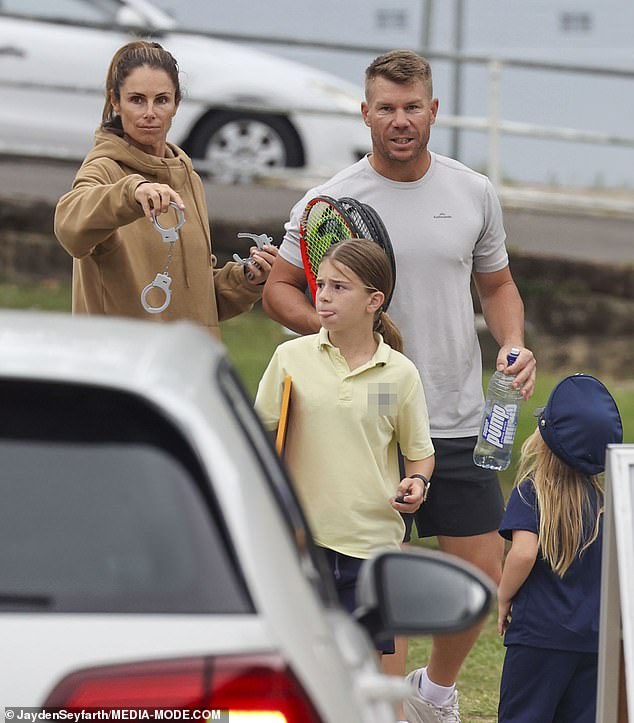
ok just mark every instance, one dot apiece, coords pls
pixel 235 147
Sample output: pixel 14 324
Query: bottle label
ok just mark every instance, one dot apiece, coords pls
pixel 511 427
pixel 494 428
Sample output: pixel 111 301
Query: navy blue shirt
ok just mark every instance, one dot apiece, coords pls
pixel 549 611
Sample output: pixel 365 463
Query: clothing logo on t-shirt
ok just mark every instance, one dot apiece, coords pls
pixel 382 398
pixel 442 215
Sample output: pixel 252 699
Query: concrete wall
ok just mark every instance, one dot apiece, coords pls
pixel 579 314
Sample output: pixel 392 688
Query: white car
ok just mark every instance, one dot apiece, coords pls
pixel 152 551
pixel 243 113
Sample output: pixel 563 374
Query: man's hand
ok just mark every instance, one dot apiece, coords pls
pixel 524 368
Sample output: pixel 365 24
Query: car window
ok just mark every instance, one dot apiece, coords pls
pixel 311 558
pixel 98 11
pixel 105 508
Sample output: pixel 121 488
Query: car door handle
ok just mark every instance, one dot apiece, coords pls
pixel 12 51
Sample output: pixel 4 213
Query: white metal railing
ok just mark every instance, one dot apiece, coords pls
pixel 496 127
pixel 493 124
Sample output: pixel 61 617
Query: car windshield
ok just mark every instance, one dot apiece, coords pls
pixel 106 509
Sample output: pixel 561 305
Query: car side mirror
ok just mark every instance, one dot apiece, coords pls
pixel 420 592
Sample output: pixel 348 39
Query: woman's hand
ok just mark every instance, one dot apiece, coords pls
pixel 156 197
pixel 260 263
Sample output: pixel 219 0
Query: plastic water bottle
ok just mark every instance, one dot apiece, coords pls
pixel 499 421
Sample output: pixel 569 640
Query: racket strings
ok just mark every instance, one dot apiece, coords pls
pixel 323 226
pixel 326 221
pixel 363 218
pixel 366 218
pixel 363 229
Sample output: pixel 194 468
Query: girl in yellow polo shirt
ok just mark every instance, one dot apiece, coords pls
pixel 355 398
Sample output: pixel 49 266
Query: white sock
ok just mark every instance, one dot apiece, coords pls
pixel 432 692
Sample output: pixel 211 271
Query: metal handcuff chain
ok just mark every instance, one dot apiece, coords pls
pixel 163 280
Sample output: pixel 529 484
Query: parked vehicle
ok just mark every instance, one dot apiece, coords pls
pixel 244 112
pixel 152 550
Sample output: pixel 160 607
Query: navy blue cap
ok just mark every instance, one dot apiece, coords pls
pixel 579 420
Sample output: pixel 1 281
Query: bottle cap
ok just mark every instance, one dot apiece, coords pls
pixel 512 355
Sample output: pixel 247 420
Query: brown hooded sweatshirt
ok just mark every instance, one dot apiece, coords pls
pixel 117 252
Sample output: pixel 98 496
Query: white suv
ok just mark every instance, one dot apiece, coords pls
pixel 152 551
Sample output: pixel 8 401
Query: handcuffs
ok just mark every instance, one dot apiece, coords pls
pixel 163 280
pixel 260 240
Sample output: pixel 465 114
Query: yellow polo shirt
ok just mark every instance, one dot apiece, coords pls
pixel 343 430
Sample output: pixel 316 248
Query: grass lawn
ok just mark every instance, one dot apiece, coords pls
pixel 250 340
pixel 46 296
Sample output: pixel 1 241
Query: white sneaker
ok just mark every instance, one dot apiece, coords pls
pixel 419 710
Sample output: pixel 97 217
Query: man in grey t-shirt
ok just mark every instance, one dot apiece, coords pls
pixel 445 223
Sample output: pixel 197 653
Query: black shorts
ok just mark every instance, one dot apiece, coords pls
pixel 463 499
pixel 345 571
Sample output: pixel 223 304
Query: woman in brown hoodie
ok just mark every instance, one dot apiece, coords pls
pixel 106 221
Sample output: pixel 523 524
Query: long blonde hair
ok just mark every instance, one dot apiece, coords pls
pixel 569 520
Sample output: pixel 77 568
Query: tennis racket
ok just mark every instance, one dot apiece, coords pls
pixel 282 426
pixel 323 223
pixel 326 221
pixel 368 220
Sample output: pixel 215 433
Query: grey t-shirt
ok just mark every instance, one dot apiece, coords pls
pixel 442 227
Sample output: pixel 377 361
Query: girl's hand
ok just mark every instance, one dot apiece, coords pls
pixel 260 263
pixel 411 491
pixel 156 197
pixel 504 615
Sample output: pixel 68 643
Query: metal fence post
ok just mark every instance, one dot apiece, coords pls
pixel 495 79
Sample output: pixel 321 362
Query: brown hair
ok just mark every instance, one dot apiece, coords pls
pixel 568 524
pixel 370 263
pixel 135 54
pixel 400 66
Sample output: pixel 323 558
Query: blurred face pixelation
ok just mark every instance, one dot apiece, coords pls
pixel 383 398
pixel 147 105
pixel 400 117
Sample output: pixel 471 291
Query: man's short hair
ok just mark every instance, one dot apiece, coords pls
pixel 400 66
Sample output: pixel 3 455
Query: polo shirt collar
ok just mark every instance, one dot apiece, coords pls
pixel 381 355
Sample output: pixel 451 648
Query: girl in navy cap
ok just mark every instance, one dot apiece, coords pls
pixel 548 598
